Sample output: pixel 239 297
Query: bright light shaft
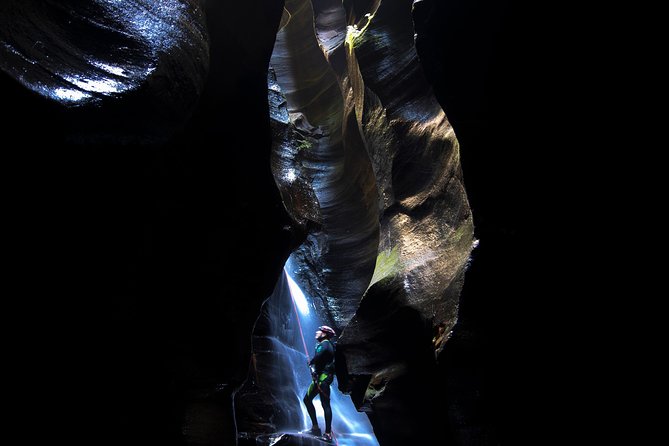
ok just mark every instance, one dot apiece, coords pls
pixel 298 295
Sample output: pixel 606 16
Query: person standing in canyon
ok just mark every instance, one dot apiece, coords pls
pixel 322 374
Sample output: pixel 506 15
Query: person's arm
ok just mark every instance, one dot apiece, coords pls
pixel 313 363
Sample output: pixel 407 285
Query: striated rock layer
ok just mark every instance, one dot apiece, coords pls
pixel 327 153
pixel 100 58
pixel 367 155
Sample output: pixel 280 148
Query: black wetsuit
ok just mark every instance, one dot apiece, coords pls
pixel 322 371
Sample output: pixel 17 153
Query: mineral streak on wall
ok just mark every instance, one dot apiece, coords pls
pixel 376 163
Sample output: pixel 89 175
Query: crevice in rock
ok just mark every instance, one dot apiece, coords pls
pixel 380 152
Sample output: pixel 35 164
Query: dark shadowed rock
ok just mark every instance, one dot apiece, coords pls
pixel 147 266
pixel 124 71
pixel 285 439
pixel 155 262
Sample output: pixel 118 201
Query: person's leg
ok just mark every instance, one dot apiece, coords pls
pixel 308 402
pixel 325 401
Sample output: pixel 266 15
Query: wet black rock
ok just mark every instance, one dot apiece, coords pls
pixel 143 267
pixel 122 71
pixel 287 439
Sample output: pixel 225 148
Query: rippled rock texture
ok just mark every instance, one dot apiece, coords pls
pixel 153 247
pixel 376 169
pixel 143 267
pixel 326 152
pixel 148 56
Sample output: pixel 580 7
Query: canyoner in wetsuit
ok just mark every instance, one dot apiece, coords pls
pixel 322 373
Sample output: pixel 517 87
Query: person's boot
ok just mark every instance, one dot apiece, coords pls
pixel 327 437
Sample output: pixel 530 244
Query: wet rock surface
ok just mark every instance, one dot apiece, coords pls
pixel 288 439
pixel 271 398
pixel 333 162
pixel 141 271
pixel 143 262
pixel 386 263
pixel 123 71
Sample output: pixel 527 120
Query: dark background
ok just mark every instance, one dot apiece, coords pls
pixel 496 73
pixel 104 243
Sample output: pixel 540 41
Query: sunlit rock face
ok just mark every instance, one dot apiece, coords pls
pixel 323 155
pixel 393 230
pixel 143 61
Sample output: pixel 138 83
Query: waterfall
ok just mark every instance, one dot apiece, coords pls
pixel 350 427
pixel 270 404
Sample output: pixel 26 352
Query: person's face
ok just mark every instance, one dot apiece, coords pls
pixel 319 335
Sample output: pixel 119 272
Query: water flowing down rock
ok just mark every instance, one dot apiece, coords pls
pixel 269 406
